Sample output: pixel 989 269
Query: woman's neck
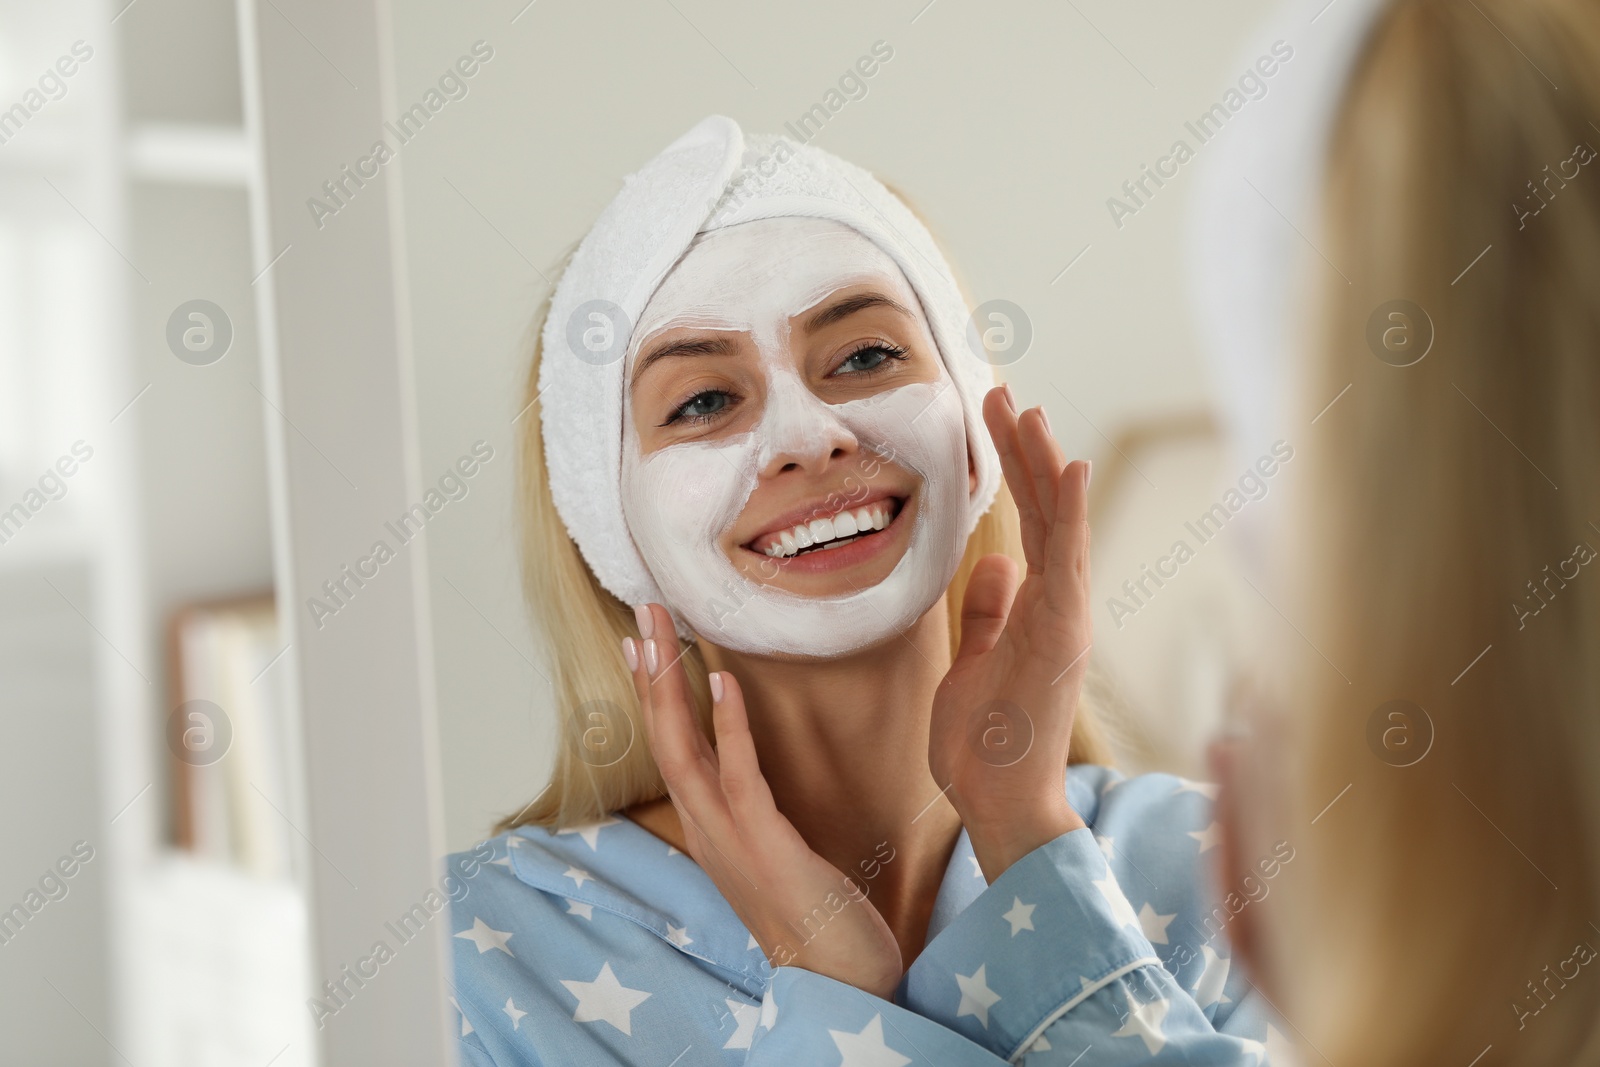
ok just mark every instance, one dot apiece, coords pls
pixel 844 748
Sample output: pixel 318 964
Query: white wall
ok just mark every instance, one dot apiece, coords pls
pixel 1007 124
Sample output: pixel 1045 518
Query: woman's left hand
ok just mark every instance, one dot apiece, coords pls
pixel 1002 718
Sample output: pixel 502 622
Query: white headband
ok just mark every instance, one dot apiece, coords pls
pixel 711 177
pixel 1257 192
pixel 1257 204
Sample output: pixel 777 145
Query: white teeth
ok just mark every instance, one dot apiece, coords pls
pixel 830 532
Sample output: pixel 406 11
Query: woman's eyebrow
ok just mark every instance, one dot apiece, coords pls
pixel 843 309
pixel 689 346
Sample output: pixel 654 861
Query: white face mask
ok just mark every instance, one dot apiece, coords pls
pixel 681 499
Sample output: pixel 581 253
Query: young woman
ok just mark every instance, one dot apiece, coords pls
pixel 839 823
pixel 1442 793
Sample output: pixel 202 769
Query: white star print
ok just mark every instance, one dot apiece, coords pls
pixel 466 1027
pixel 866 1049
pixel 580 909
pixel 590 833
pixel 1020 916
pixel 679 935
pixel 752 944
pixel 1209 838
pixel 672 850
pixel 976 996
pixel 1153 925
pixel 977 868
pixel 1208 990
pixel 1121 911
pixel 744 1018
pixel 504 861
pixel 1108 845
pixel 1039 1044
pixel 1205 789
pixel 1144 1021
pixel 605 1000
pixel 513 1013
pixel 579 875
pixel 486 937
pixel 1254 1048
pixel 769 1011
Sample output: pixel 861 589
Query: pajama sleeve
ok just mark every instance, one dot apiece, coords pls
pixel 1052 962
pixel 1049 966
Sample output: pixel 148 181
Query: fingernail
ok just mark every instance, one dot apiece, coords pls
pixel 651 659
pixel 647 622
pixel 1011 401
pixel 1088 472
pixel 1045 415
pixel 716 686
pixel 630 652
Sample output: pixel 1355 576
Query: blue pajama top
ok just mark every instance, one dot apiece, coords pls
pixel 605 945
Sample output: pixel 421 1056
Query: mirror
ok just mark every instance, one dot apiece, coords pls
pixel 265 650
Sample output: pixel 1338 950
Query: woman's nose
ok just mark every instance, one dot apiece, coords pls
pixel 799 429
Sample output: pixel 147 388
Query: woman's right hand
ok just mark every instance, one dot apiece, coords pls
pixel 802 911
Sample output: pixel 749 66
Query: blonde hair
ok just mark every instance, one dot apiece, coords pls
pixel 1427 907
pixel 602 761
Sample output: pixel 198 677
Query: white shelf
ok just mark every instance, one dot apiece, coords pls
pixel 190 154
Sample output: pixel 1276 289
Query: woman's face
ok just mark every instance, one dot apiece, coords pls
pixel 784 393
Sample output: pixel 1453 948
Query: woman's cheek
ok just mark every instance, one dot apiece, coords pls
pixel 680 499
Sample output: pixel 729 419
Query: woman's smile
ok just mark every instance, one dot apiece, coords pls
pixel 831 538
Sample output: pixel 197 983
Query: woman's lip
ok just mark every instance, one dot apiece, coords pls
pixel 817 510
pixel 861 547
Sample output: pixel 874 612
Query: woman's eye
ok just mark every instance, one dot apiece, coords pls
pixel 871 358
pixel 702 407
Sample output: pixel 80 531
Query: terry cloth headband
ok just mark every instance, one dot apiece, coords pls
pixel 711 177
pixel 1257 203
pixel 1258 191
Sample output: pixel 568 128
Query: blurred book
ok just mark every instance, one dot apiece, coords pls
pixel 228 735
